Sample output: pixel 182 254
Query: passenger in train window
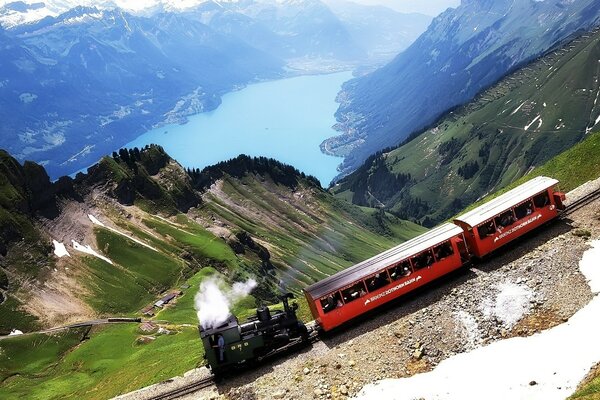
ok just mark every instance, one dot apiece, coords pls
pixel 378 281
pixel 486 229
pixel 417 263
pixel 406 269
pixel 505 219
pixel 330 303
pixel 442 251
pixel 339 303
pixel 429 259
pixel 447 249
pixel 395 273
pixel 524 210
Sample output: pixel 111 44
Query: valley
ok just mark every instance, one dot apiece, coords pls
pixel 463 51
pixel 82 79
pixel 510 129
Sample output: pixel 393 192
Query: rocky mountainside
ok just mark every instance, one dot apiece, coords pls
pixel 149 225
pixel 463 51
pixel 516 125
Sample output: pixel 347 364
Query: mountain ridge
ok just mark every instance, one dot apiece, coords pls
pixel 450 63
pixel 159 225
pixel 519 123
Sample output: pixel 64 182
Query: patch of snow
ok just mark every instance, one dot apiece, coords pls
pixel 532 122
pixel 60 250
pixel 468 328
pixel 15 332
pixel 97 222
pixel 556 359
pixel 517 109
pixel 511 303
pixel 88 250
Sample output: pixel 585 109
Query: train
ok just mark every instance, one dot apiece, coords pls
pixel 361 288
pixel 266 334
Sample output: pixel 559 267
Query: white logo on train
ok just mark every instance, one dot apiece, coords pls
pixel 395 288
pixel 516 228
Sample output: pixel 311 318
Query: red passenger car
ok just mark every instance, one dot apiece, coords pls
pixel 386 276
pixel 511 215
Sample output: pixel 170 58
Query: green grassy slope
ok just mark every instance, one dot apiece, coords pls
pixel 310 235
pixel 111 362
pixel 267 225
pixel 516 125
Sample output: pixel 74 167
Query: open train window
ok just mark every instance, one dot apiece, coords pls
pixel 331 302
pixel 541 200
pixel 423 260
pixel 400 270
pixel 507 218
pixel 354 292
pixel 443 250
pixel 486 229
pixel 524 209
pixel 377 281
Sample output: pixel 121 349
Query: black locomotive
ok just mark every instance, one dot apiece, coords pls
pixel 268 333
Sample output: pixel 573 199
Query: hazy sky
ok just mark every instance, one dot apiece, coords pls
pixel 429 7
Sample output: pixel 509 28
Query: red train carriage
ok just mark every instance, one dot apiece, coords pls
pixel 386 276
pixel 511 215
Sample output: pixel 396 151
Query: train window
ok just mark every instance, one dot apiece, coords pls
pixel 377 281
pixel 524 209
pixel 423 260
pixel 541 200
pixel 443 250
pixel 400 270
pixel 331 302
pixel 486 229
pixel 505 219
pixel 354 292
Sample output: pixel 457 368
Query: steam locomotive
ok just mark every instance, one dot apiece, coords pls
pixel 269 332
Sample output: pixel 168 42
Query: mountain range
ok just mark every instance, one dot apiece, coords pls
pixel 508 130
pixel 77 83
pixel 463 51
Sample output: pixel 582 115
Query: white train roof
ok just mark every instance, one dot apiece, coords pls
pixel 509 199
pixel 380 261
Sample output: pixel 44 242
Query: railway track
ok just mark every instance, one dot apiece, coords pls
pixel 582 202
pixel 185 390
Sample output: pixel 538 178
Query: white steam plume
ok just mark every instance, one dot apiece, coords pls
pixel 214 299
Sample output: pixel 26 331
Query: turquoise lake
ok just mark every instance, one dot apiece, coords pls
pixel 285 119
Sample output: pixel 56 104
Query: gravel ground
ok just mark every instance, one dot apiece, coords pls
pixel 532 285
